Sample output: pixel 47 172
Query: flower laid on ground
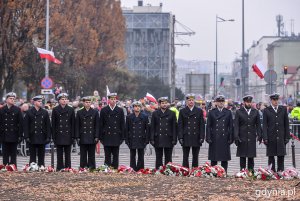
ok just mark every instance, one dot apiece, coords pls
pixel 49 169
pixel 83 170
pixel 289 173
pixel 172 169
pixel 178 169
pixel 8 168
pixel 72 170
pixel 146 171
pixel 208 171
pixel 268 174
pixel 33 167
pixel 125 169
pixel 244 173
pixel 104 169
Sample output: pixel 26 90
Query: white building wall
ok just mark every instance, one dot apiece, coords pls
pixel 258 52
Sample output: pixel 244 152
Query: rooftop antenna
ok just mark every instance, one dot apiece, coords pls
pixel 280 25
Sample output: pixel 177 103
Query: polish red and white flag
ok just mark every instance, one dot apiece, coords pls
pixel 259 69
pixel 49 55
pixel 151 98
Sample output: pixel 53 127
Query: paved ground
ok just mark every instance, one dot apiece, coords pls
pixel 261 159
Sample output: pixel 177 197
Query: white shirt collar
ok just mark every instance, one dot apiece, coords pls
pixel 220 109
pixel 274 108
pixel 191 108
pixel 111 107
pixel 248 110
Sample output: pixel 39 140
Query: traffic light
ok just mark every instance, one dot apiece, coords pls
pixel 238 82
pixel 222 81
pixel 285 70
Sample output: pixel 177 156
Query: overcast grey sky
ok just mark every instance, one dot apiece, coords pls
pixel 200 15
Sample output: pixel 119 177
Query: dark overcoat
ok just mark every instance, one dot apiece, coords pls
pixel 191 127
pixel 219 131
pixel 247 130
pixel 137 131
pixel 63 125
pixel 276 130
pixel 112 126
pixel 163 128
pixel 37 126
pixel 11 124
pixel 87 125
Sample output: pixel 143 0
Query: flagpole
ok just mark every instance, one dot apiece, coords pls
pixel 47 39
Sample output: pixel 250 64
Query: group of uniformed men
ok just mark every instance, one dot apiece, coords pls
pixel 111 129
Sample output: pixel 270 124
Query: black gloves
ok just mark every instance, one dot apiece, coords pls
pixel 259 139
pixel 266 142
pixel 181 142
pixel 286 141
pixel 201 141
pixel 237 142
pixel 209 141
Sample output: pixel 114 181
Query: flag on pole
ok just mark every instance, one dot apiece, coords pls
pixel 222 82
pixel 107 93
pixel 259 69
pixel 49 55
pixel 151 98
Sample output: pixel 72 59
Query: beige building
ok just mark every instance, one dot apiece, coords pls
pixel 258 53
pixel 286 52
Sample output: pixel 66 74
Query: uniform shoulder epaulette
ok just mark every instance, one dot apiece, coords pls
pixel 80 109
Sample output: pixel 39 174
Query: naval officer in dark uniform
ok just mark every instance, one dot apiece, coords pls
pixel 112 130
pixel 219 133
pixel 137 135
pixel 163 132
pixel 87 133
pixel 247 130
pixel 63 125
pixel 191 130
pixel 11 129
pixel 276 132
pixel 37 130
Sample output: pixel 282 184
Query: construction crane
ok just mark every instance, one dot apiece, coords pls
pixel 186 31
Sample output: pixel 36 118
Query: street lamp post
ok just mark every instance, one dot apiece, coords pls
pixel 218 19
pixel 244 71
pixel 47 38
